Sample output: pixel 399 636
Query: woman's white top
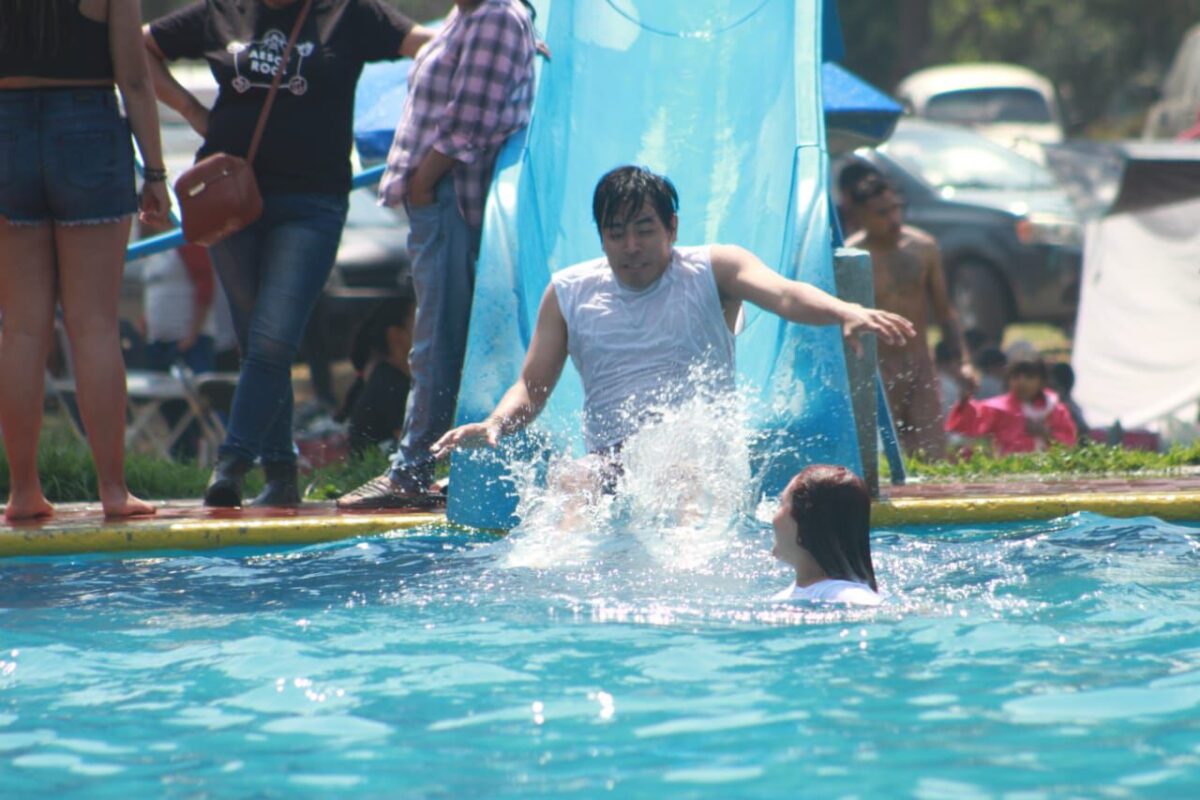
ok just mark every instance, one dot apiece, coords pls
pixel 831 591
pixel 639 350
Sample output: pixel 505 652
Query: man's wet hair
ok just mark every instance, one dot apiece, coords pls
pixel 622 192
pixel 851 173
pixel 868 187
pixel 832 509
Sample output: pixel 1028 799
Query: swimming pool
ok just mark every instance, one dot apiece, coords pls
pixel 1035 660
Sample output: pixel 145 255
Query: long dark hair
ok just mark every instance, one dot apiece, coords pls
pixel 832 507
pixel 33 26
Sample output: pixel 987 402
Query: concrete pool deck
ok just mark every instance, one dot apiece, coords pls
pixel 186 525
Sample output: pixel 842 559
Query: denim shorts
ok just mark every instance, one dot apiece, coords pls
pixel 65 155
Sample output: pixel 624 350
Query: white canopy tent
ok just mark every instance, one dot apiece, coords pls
pixel 1137 339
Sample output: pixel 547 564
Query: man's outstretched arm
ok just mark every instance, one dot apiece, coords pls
pixel 525 399
pixel 742 276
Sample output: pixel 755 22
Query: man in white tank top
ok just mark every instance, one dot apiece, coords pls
pixel 642 322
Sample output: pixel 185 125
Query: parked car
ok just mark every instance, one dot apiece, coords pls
pixel 1010 104
pixel 1010 239
pixel 1178 106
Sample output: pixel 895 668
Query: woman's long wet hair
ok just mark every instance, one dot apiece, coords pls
pixel 832 507
pixel 33 26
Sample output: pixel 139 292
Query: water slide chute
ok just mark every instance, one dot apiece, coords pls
pixel 724 96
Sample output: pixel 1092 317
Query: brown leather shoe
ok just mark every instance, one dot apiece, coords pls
pixel 382 492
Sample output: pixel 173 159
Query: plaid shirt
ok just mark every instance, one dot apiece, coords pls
pixel 470 88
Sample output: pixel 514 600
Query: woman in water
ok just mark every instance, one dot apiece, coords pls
pixel 823 529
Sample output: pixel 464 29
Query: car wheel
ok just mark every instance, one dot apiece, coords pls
pixel 981 299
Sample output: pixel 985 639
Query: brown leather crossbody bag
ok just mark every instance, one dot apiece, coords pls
pixel 218 195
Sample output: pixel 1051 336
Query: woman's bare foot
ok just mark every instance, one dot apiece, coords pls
pixel 124 504
pixel 35 506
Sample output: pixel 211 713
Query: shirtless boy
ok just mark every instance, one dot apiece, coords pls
pixel 908 281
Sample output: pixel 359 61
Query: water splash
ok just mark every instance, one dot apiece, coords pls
pixel 682 488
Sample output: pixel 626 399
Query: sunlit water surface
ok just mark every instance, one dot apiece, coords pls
pixel 626 658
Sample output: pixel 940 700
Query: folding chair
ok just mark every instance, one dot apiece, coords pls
pixel 147 391
pixel 210 397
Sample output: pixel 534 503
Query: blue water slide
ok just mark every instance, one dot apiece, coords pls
pixel 724 96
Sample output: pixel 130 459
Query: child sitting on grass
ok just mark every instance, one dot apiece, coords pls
pixel 375 405
pixel 1024 420
pixel 823 529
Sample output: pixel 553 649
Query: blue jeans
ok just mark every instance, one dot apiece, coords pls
pixel 65 155
pixel 442 248
pixel 273 273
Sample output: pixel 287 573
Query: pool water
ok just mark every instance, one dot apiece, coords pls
pixel 1037 660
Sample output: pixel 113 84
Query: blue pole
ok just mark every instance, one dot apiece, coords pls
pixel 174 237
pixel 887 433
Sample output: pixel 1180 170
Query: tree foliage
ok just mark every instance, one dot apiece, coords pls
pixel 1102 54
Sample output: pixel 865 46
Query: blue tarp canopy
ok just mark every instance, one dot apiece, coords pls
pixel 854 107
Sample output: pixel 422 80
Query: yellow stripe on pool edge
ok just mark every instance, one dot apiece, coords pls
pixel 151 535
pixel 1019 508
pixel 202 534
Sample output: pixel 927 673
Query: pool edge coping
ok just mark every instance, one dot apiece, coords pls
pixel 149 535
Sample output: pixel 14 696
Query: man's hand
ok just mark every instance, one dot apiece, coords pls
pixel 474 434
pixel 892 328
pixel 422 184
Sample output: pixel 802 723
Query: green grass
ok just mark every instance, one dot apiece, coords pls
pixel 1091 460
pixel 333 481
pixel 68 475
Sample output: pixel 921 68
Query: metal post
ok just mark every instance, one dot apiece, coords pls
pixel 855 282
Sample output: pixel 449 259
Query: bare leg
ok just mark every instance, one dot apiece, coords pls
pixel 579 484
pixel 90 265
pixel 911 385
pixel 27 286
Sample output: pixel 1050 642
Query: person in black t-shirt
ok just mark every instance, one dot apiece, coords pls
pixel 273 271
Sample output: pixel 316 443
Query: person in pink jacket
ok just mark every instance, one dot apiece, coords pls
pixel 1028 418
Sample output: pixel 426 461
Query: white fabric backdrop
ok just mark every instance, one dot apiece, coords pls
pixel 1137 339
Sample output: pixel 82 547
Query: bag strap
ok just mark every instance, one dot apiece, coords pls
pixel 266 109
